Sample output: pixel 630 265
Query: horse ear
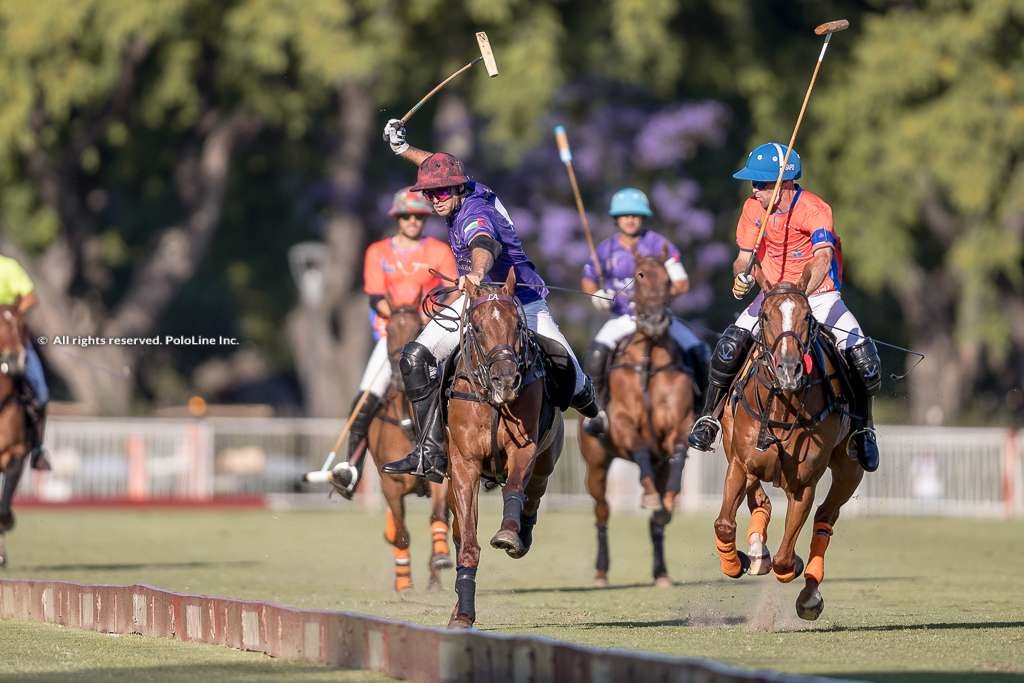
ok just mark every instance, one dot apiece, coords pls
pixel 805 278
pixel 510 282
pixel 761 279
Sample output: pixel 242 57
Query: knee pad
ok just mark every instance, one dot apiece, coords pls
pixel 868 366
pixel 419 370
pixel 730 352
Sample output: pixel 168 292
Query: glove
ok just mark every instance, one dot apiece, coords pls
pixel 602 299
pixel 394 135
pixel 741 285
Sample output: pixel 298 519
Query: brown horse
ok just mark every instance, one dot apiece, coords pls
pixel 390 438
pixel 785 423
pixel 650 411
pixel 13 429
pixel 495 415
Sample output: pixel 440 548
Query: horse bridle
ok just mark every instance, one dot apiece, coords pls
pixel 12 363
pixel 803 345
pixel 518 353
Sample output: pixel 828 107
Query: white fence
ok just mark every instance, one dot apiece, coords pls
pixel 925 471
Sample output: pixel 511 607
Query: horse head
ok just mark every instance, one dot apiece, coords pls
pixel 785 321
pixel 652 293
pixel 496 338
pixel 12 345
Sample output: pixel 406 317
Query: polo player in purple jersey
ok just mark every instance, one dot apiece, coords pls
pixel 486 247
pixel 617 255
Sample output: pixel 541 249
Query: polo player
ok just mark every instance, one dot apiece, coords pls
pixel 800 231
pixel 396 272
pixel 486 247
pixel 16 287
pixel 617 256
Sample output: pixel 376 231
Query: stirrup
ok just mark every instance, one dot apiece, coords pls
pixel 706 422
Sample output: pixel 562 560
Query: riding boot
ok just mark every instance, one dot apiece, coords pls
pixel 345 475
pixel 36 414
pixel 726 361
pixel 429 457
pixel 596 365
pixel 867 380
pixel 586 400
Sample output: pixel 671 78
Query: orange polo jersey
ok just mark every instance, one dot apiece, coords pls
pixel 791 239
pixel 403 275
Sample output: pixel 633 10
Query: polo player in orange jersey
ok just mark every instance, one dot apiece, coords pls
pixel 799 233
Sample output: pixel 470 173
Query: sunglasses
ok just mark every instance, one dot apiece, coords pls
pixel 763 185
pixel 440 194
pixel 409 216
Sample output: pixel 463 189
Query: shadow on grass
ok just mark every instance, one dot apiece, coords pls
pixel 222 673
pixel 676 584
pixel 938 626
pixel 735 620
pixel 125 566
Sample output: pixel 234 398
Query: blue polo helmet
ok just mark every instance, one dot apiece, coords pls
pixel 763 164
pixel 630 201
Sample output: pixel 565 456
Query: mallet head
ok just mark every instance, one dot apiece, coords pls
pixel 830 27
pixel 487 54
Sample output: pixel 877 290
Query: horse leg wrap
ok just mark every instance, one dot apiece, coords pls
pixel 657 532
pixel 819 543
pixel 759 519
pixel 675 472
pixel 602 549
pixel 390 527
pixel 643 460
pixel 512 514
pixel 439 536
pixel 403 569
pixel 728 558
pixel 465 588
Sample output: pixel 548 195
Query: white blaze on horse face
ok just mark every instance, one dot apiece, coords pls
pixel 786 308
pixel 495 313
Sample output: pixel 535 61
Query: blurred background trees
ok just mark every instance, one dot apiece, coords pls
pixel 159 159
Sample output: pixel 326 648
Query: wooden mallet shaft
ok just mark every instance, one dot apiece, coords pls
pixel 565 153
pixel 486 56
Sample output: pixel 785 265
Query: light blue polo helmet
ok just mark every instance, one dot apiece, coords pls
pixel 630 201
pixel 763 164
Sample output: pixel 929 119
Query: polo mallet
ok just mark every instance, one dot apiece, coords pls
pixel 826 29
pixel 486 56
pixel 566 155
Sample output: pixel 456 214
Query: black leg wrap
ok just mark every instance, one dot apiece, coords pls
pixel 465 588
pixel 513 507
pixel 526 524
pixel 602 549
pixel 643 459
pixel 675 472
pixel 658 542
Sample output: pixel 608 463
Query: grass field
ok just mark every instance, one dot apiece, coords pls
pixel 905 599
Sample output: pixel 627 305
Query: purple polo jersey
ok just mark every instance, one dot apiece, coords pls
pixel 619 266
pixel 482 213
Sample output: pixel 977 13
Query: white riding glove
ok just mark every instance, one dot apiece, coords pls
pixel 394 135
pixel 602 299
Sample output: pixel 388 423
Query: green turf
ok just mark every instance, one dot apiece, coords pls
pixel 34 653
pixel 905 599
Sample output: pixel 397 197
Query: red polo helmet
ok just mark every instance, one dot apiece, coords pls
pixel 439 170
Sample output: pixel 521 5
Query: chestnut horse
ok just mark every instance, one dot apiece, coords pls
pixel 13 428
pixel 785 422
pixel 390 438
pixel 496 409
pixel 650 410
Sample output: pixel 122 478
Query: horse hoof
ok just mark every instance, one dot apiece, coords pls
pixel 434 585
pixel 797 570
pixel 760 558
pixel 663 582
pixel 661 516
pixel 508 541
pixel 460 621
pixel 3 560
pixel 441 561
pixel 600 582
pixel 809 604
pixel 651 501
pixel 744 565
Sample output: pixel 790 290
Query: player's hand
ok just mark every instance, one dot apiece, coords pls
pixel 602 299
pixel 394 135
pixel 741 285
pixel 475 278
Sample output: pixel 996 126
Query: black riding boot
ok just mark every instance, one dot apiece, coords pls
pixel 429 457
pixel 36 414
pixel 727 359
pixel 346 475
pixel 867 380
pixel 596 365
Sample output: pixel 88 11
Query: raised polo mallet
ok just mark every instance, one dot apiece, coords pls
pixel 566 155
pixel 486 56
pixel 826 29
